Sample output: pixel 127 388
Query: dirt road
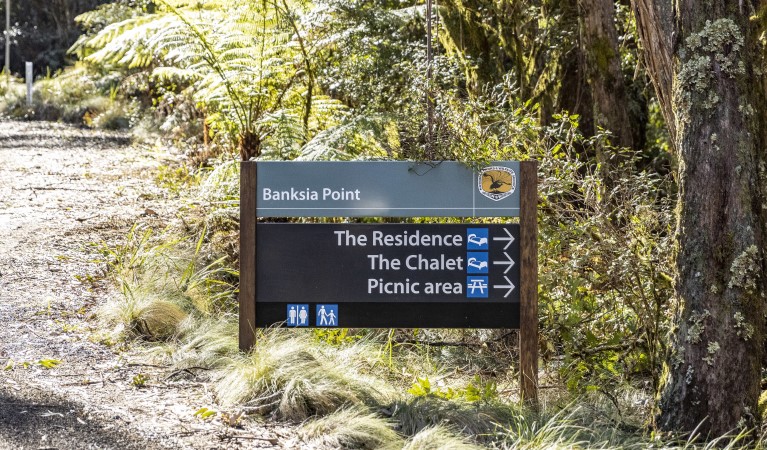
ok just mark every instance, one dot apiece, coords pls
pixel 61 190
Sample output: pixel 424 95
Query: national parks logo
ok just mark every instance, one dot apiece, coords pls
pixel 496 182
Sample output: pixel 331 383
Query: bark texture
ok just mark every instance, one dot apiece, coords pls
pixel 709 80
pixel 574 94
pixel 655 25
pixel 249 145
pixel 600 41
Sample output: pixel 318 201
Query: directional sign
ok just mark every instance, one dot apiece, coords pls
pixel 403 275
pixel 508 262
pixel 509 286
pixel 386 189
pixel 391 276
pixel 509 239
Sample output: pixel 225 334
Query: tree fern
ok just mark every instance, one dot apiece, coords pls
pixel 242 57
pixel 361 137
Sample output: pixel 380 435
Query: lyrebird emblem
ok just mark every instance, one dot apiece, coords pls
pixel 496 182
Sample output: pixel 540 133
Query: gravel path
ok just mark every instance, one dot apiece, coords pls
pixel 61 190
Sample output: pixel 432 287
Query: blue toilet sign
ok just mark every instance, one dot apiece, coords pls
pixel 298 315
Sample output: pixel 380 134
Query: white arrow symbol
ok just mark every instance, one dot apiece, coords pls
pixel 509 263
pixel 510 239
pixel 509 286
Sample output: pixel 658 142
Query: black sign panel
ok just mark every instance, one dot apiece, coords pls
pixel 398 276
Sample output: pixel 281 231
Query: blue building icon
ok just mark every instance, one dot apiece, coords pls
pixel 477 239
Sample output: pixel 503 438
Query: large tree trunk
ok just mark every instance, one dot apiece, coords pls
pixel 655 25
pixel 711 88
pixel 608 89
pixel 574 93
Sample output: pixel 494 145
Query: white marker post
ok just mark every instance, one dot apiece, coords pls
pixel 30 76
pixel 7 42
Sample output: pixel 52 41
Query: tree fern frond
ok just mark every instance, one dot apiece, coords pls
pixel 112 32
pixel 174 74
pixel 285 133
pixel 326 146
pixel 248 63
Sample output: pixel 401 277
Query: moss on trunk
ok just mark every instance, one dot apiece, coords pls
pixel 714 373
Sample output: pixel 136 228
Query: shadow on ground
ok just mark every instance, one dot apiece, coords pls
pixel 42 420
pixel 16 140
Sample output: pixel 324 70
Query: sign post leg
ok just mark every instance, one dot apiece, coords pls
pixel 247 299
pixel 528 329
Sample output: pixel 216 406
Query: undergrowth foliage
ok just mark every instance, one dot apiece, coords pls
pixel 246 64
pixel 410 388
pixel 335 80
pixel 163 282
pixel 604 262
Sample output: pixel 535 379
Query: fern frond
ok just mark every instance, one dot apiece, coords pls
pixel 174 74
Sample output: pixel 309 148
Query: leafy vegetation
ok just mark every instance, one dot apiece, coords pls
pixel 347 80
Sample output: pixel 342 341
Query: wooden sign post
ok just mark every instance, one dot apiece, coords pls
pixel 391 275
pixel 528 323
pixel 248 206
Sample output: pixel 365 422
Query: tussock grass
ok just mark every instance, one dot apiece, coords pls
pixel 159 320
pixel 151 307
pixel 354 427
pixel 286 376
pixel 555 432
pixel 473 419
pixel 210 343
pixel 141 314
pixel 437 437
pixel 164 282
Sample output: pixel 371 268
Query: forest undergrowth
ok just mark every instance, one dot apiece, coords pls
pixel 360 388
pixel 337 80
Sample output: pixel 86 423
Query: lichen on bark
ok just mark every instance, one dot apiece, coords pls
pixel 713 50
pixel 743 329
pixel 697 326
pixel 745 270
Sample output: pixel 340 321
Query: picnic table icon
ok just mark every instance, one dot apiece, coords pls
pixel 477 284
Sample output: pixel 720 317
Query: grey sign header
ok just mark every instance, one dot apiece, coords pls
pixel 387 189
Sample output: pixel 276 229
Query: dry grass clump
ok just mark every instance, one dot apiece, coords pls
pixel 210 343
pixel 285 375
pixel 559 431
pixel 479 420
pixel 354 427
pixel 438 437
pixel 158 320
pixel 151 308
pixel 165 281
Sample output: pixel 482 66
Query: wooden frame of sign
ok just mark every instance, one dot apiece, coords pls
pixel 528 323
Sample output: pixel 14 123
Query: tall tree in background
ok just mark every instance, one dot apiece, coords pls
pixel 562 54
pixel 574 94
pixel 46 29
pixel 706 60
pixel 608 89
